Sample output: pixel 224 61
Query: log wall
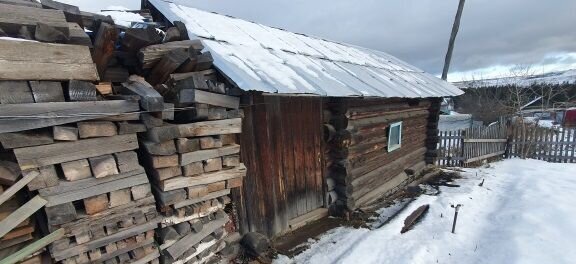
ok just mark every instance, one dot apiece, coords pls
pixel 359 167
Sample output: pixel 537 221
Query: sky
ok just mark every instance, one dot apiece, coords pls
pixel 495 35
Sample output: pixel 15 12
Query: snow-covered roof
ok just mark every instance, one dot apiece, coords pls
pixel 551 78
pixel 262 58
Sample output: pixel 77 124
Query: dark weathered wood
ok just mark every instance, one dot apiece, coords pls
pixel 12 17
pixel 104 46
pixel 34 157
pixel 71 12
pixel 59 113
pixel 167 65
pixel 78 36
pixel 166 173
pixel 116 74
pixel 21 3
pixel 163 148
pixel 46 33
pixel 25 60
pixel 136 38
pixel 45 92
pixel 151 55
pixel 61 214
pixel 150 99
pixel 28 138
pixel 15 92
pixel 130 128
pixel 79 91
pixel 172 34
pixel 194 168
pixel 170 197
pixel 205 61
pixel 182 30
pixel 9 172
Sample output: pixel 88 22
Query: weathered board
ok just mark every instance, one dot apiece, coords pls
pixel 27 60
pixel 18 117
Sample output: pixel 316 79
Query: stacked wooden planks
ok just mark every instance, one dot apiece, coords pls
pixel 73 139
pixel 78 121
pixel 193 162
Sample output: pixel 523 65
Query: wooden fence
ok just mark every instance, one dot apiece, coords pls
pixel 471 146
pixel 549 144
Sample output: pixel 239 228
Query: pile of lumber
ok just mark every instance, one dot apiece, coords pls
pixel 126 140
pixel 193 160
pixel 73 140
pixel 17 236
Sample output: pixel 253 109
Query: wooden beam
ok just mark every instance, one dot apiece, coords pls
pixel 65 186
pixel 38 115
pixel 150 99
pixel 207 178
pixel 7 194
pixel 27 60
pixel 151 55
pixel 483 157
pixel 13 17
pixel 28 138
pixel 46 92
pixel 34 157
pixel 96 190
pixel 32 248
pixel 15 92
pixel 23 3
pixel 198 129
pixel 21 214
pixel 216 99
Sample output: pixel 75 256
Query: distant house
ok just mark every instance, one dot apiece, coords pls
pixel 328 127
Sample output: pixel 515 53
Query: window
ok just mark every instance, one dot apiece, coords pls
pixel 394 136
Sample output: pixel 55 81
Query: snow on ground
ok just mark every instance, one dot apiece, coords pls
pixel 524 213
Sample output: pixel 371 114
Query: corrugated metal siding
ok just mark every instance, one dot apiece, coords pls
pixel 282 149
pixel 272 60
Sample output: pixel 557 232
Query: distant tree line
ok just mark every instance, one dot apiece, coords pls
pixel 489 103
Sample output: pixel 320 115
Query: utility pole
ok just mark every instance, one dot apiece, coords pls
pixel 455 28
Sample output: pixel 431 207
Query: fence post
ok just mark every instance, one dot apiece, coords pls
pixel 462 143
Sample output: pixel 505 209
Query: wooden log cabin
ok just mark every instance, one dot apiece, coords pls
pixel 328 127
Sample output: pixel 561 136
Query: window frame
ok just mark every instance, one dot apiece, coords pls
pixel 394 125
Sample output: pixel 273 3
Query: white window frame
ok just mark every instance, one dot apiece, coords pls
pixel 394 125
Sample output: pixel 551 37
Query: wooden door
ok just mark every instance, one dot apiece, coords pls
pixel 282 150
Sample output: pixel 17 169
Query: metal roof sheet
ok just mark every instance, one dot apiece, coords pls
pixel 262 58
